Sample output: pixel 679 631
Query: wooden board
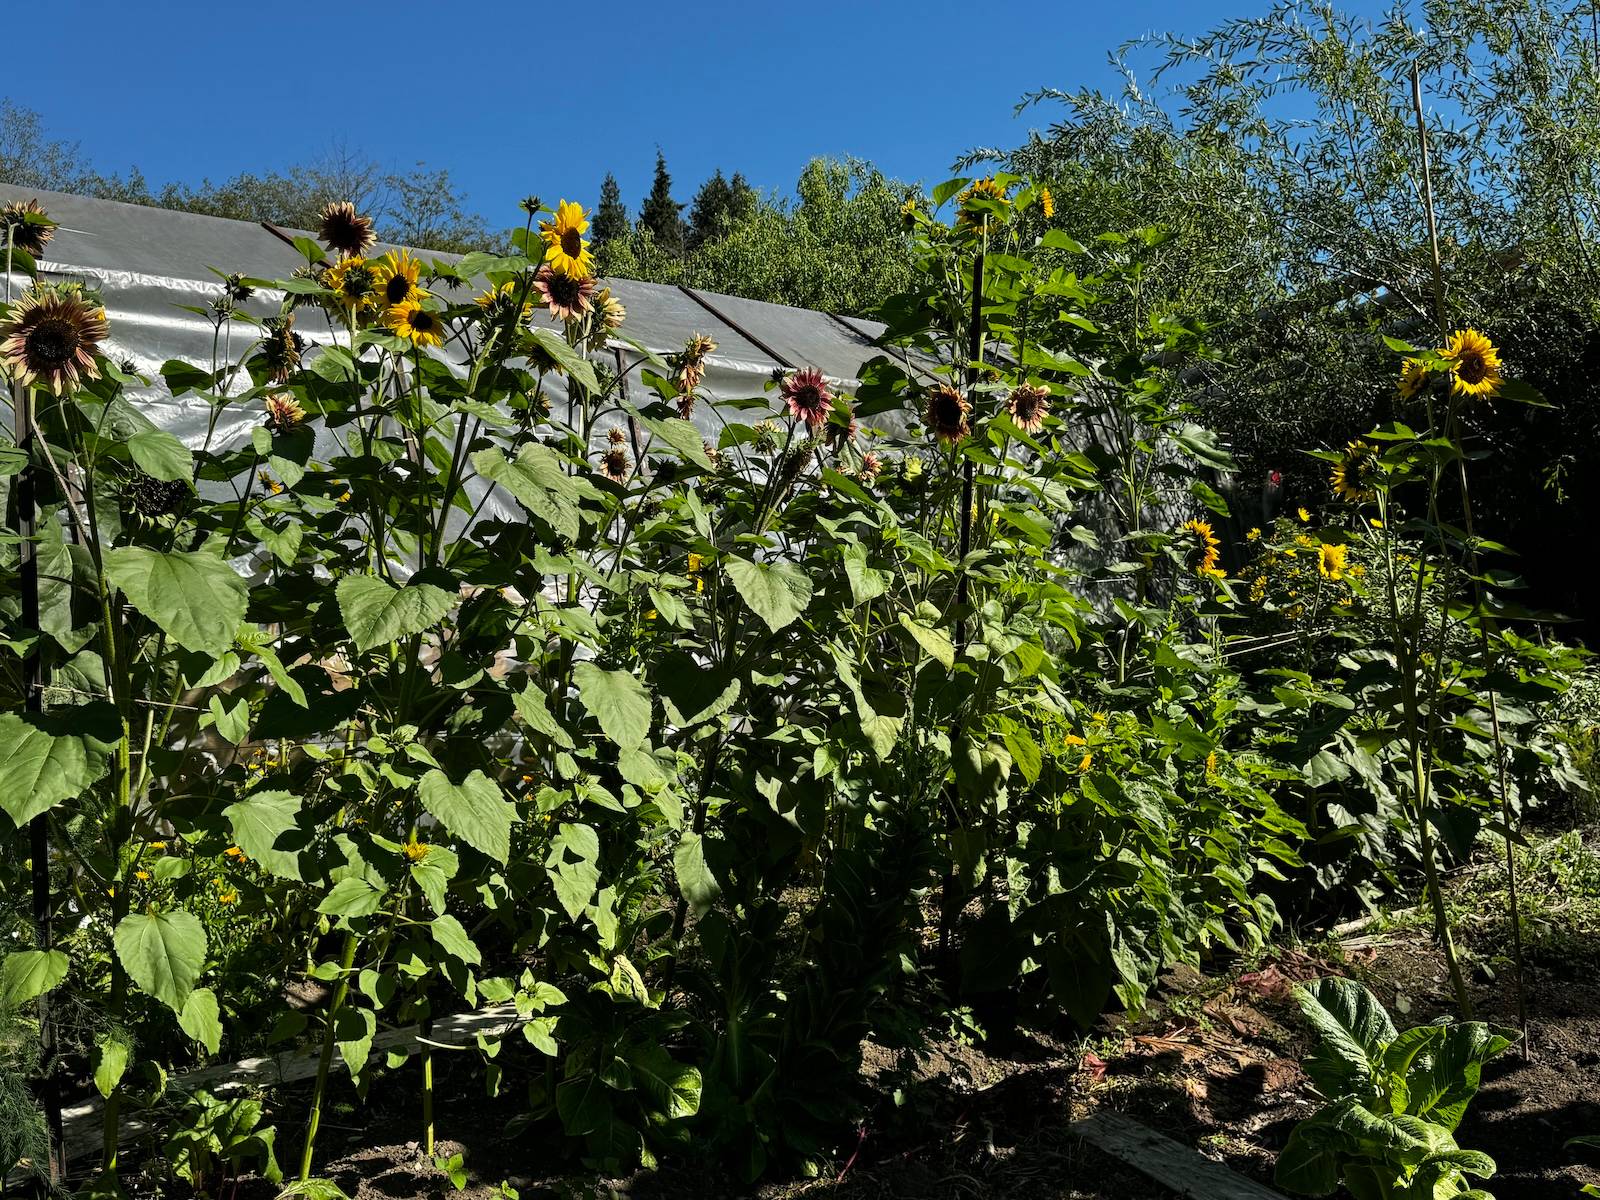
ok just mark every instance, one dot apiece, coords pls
pixel 81 1123
pixel 1171 1164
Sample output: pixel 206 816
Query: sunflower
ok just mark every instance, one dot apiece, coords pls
pixel 151 498
pixel 566 296
pixel 1351 476
pixel 354 282
pixel 1206 552
pixel 496 304
pixel 1413 378
pixel 608 317
pixel 689 364
pixel 281 347
pixel 1474 363
pixel 1332 564
pixel 419 326
pixel 615 463
pixel 50 336
pixel 984 189
pixel 871 467
pixel 807 396
pixel 283 412
pixel 945 413
pixel 346 230
pixel 566 250
pixel 394 277
pixel 1047 203
pixel 31 236
pixel 1028 406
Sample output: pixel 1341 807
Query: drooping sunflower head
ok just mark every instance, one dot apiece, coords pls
pixel 50 337
pixel 283 412
pixel 1204 550
pixel 1413 378
pixel 344 229
pixel 150 498
pixel 945 412
pixel 419 326
pixel 1352 476
pixel 1474 364
pixel 689 364
pixel 615 463
pixel 972 215
pixel 30 229
pixel 565 248
pixel 566 296
pixel 608 317
pixel 1028 406
pixel 498 304
pixel 807 396
pixel 354 283
pixel 1332 561
pixel 281 347
pixel 395 278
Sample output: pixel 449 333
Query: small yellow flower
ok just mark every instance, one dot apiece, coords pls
pixel 141 876
pixel 342 497
pixel 1252 534
pixel 1211 765
pixel 415 850
pixel 1086 761
pixel 235 852
pixel 1304 514
pixel 1374 522
pixel 158 847
pixel 1047 203
pixel 229 897
pixel 1332 563
pixel 1073 739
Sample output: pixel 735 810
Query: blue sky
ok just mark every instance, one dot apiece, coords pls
pixel 545 98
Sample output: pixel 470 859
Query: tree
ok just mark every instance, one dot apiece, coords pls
pixel 661 214
pixel 610 215
pixel 718 205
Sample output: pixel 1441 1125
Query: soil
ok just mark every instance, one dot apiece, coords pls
pixel 1212 1063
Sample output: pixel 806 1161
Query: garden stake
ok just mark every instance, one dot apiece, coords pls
pixel 1480 599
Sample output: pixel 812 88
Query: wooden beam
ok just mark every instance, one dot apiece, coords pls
pixel 1172 1164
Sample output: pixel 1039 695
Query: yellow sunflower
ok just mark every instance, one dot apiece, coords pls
pixel 394 277
pixel 984 189
pixel 418 325
pixel 1413 378
pixel 354 282
pixel 1351 476
pixel 1047 203
pixel 1474 364
pixel 1332 563
pixel 1206 553
pixel 566 251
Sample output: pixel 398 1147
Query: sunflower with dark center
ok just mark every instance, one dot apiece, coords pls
pixel 1413 377
pixel 615 463
pixel 1352 475
pixel 50 337
pixel 565 249
pixel 283 412
pixel 32 235
pixel 395 278
pixel 346 230
pixel 498 304
pixel 566 296
pixel 419 326
pixel 945 412
pixel 281 348
pixel 1474 363
pixel 808 397
pixel 1028 406
pixel 354 282
pixel 151 498
pixel 1205 551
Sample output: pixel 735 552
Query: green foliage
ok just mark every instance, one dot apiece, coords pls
pixel 1394 1101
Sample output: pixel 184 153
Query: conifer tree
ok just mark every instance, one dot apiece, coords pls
pixel 610 215
pixel 661 214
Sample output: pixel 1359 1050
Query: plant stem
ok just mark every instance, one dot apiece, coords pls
pixel 340 991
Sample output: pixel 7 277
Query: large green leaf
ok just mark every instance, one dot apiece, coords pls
pixel 776 592
pixel 672 1086
pixel 201 1019
pixel 161 455
pixel 537 477
pixel 695 880
pixel 39 769
pixel 375 611
pixel 475 810
pixel 258 821
pixel 454 940
pixel 1354 1029
pixel 1442 1083
pixel 163 953
pixel 27 974
pixel 197 599
pixel 617 700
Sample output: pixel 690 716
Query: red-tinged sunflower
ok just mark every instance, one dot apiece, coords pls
pixel 608 317
pixel 1474 364
pixel 345 230
pixel 615 463
pixel 283 412
pixel 945 412
pixel 354 283
pixel 1028 406
pixel 1353 474
pixel 1205 551
pixel 871 467
pixel 50 337
pixel 419 326
pixel 1413 378
pixel 566 296
pixel 394 277
pixel 565 249
pixel 689 364
pixel 807 396
pixel 28 231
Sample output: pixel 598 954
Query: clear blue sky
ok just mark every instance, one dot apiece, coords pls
pixel 546 97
